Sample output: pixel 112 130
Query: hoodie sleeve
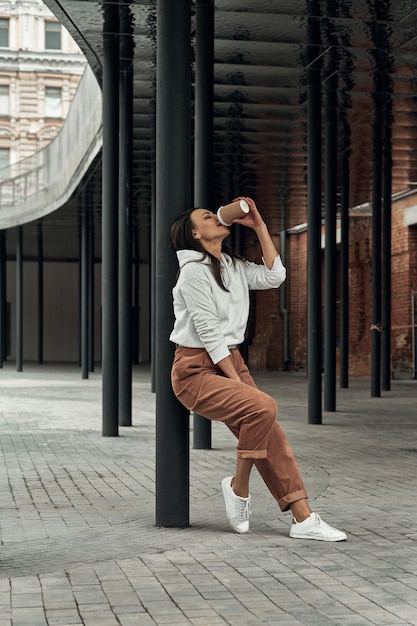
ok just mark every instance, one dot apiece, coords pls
pixel 261 277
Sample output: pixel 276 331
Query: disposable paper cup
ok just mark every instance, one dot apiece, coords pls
pixel 227 213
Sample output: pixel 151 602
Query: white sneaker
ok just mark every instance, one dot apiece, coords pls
pixel 314 528
pixel 237 508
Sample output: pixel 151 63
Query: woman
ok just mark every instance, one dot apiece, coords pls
pixel 209 376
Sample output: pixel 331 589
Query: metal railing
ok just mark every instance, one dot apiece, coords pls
pixel 42 182
pixel 22 180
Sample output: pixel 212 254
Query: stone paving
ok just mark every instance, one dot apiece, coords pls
pixel 79 543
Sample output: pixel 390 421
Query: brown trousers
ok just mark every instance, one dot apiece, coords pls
pixel 249 413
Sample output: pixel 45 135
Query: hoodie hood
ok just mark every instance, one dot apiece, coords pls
pixel 187 256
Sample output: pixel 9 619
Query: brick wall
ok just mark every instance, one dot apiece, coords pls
pixel 296 263
pixel 404 281
pixel 264 342
pixel 265 349
pixel 360 296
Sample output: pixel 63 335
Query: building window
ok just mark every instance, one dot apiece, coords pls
pixel 53 102
pixel 4 163
pixel 4 100
pixel 52 36
pixel 4 33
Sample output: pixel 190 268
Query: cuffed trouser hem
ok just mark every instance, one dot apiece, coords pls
pixel 251 454
pixel 250 414
pixel 284 503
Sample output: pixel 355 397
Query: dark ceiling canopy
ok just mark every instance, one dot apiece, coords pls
pixel 367 49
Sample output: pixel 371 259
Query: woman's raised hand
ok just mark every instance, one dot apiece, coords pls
pixel 253 219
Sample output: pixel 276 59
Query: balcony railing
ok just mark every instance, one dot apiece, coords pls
pixel 43 182
pixel 22 180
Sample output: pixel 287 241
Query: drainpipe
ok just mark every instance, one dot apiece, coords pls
pixel 283 292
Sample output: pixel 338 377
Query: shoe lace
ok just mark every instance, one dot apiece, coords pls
pixel 244 510
pixel 323 524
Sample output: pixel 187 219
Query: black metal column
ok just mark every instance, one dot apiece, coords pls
pixel 136 287
pixel 91 287
pixel 19 299
pixel 203 136
pixel 376 251
pixel 125 249
pixel 40 293
pixel 344 261
pixel 153 285
pixel 84 285
pixel 110 193
pixel 314 317
pixel 3 298
pixel 173 195
pixel 283 292
pixel 203 142
pixel 386 257
pixel 330 235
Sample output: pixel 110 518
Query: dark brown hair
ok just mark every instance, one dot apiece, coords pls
pixel 182 239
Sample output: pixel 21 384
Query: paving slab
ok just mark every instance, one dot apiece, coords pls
pixel 79 543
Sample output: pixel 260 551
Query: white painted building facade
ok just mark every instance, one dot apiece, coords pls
pixel 40 68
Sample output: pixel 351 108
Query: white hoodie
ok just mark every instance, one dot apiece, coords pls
pixel 208 317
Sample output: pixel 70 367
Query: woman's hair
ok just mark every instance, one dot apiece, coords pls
pixel 182 239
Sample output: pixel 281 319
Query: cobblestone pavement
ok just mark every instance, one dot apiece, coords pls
pixel 78 538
